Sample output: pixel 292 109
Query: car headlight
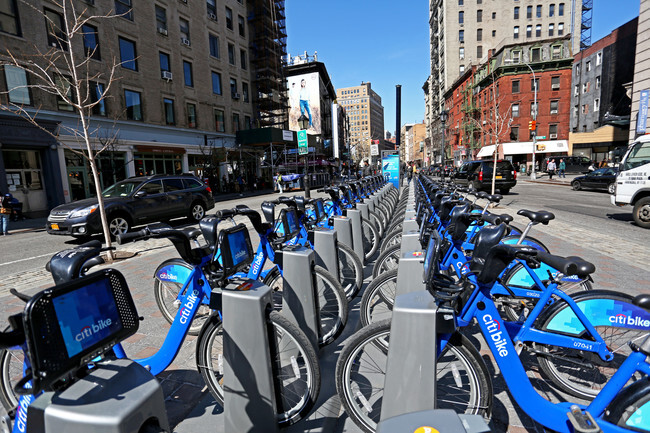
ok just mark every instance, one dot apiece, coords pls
pixel 83 212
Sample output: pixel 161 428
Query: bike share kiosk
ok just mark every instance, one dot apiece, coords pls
pixel 324 240
pixel 357 233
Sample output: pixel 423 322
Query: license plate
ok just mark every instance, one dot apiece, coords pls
pixel 55 226
pixel 498 177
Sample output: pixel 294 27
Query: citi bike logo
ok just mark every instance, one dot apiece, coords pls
pixel 496 334
pixel 21 411
pixel 88 331
pixel 624 319
pixel 168 277
pixel 257 264
pixel 186 310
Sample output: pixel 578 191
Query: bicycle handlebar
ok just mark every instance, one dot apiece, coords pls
pixel 133 236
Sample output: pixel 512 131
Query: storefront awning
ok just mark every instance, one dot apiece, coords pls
pixel 526 147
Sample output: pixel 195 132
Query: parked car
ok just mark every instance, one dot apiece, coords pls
pixel 574 164
pixel 602 178
pixel 478 175
pixel 134 201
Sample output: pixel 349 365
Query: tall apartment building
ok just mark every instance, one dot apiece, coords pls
pixel 641 72
pixel 188 81
pixel 366 118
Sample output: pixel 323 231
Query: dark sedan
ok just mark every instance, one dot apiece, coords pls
pixel 602 178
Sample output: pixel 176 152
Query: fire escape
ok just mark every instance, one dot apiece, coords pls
pixel 585 28
pixel 268 47
pixel 470 129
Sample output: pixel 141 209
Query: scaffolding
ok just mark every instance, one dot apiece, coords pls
pixel 585 27
pixel 268 47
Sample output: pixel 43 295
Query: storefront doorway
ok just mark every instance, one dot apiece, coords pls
pixel 112 169
pixel 25 178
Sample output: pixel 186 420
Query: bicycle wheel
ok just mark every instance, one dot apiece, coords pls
pixel 296 372
pixel 370 237
pixel 393 237
pixel 11 371
pixel 579 372
pixel 350 270
pixel 463 382
pixel 377 221
pixel 387 260
pixel 373 307
pixel 332 303
pixel 631 407
pixel 167 286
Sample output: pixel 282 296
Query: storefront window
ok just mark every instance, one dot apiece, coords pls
pixel 147 164
pixel 112 169
pixel 23 169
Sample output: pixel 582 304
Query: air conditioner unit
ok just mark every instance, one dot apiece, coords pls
pixel 552 136
pixel 185 41
pixel 555 87
pixel 553 111
pixel 167 75
pixel 212 16
pixel 235 95
pixel 162 31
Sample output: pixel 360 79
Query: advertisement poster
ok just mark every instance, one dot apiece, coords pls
pixel 304 102
pixel 390 169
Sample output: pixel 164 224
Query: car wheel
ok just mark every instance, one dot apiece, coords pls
pixel 576 185
pixel 117 225
pixel 641 213
pixel 611 188
pixel 197 211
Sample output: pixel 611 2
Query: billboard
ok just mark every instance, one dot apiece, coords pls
pixel 304 102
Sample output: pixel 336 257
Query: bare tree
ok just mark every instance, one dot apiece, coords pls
pixel 65 71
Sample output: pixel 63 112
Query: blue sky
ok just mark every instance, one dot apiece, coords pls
pixel 387 43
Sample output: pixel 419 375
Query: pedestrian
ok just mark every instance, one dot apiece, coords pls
pixel 241 181
pixel 562 169
pixel 592 167
pixel 366 169
pixel 5 213
pixel 278 181
pixel 551 169
pixel 409 173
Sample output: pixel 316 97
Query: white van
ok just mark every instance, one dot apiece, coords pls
pixel 633 181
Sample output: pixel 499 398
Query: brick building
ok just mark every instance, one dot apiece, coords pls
pixel 494 102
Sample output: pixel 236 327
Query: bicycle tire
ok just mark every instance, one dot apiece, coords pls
pixel 373 307
pixel 332 302
pixel 370 237
pixel 350 270
pixel 388 259
pixel 630 408
pixel 360 373
pixel 384 208
pixel 569 370
pixel 298 395
pixel 394 237
pixel 377 221
pixel 167 292
pixel 11 371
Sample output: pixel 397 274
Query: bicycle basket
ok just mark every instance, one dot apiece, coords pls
pixel 286 226
pixel 235 249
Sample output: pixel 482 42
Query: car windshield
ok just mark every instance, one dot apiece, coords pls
pixel 638 155
pixel 121 189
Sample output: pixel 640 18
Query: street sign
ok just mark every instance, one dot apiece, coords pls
pixel 302 142
pixel 541 137
pixel 374 149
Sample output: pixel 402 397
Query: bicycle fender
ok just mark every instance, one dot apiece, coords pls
pixel 173 270
pixel 639 419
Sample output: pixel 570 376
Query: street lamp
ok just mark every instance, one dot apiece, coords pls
pixel 444 114
pixel 533 175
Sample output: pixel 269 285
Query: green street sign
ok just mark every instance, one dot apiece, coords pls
pixel 302 142
pixel 541 137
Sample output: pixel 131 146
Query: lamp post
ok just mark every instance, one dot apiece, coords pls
pixel 303 121
pixel 533 175
pixel 444 114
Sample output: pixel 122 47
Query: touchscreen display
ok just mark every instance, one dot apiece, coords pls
pixel 238 247
pixel 292 224
pixel 321 208
pixel 87 316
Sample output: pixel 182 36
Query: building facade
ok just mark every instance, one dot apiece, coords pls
pixel 184 86
pixel 641 70
pixel 600 102
pixel 366 117
pixel 413 137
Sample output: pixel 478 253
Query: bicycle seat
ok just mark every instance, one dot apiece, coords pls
pixel 506 218
pixel 642 301
pixel 498 258
pixel 584 268
pixel 482 194
pixel 541 216
pixel 446 207
pixel 486 238
pixel 494 198
pixel 66 265
pixel 493 219
pixel 459 221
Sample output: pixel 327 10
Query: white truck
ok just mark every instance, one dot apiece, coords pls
pixel 633 181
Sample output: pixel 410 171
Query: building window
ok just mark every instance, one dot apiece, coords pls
pixel 123 8
pixel 133 103
pixel 188 77
pixel 128 56
pixel 213 41
pixel 169 111
pixel 515 86
pixel 17 85
pixel 554 106
pixel 529 31
pixel 556 52
pixel 479 16
pixel 233 88
pixel 516 32
pixel 516 12
pixel 533 110
pixel 599 58
pixel 231 54
pixel 191 115
pixel 211 6
pixel 585 87
pixel 560 29
pixel 479 35
pixel 588 65
pixel 242 25
pixel 516 56
pixel 9 20
pixel 479 2
pixel 514 133
pixel 494 33
pixel 242 59
pixel 55 36
pixel 229 23
pixel 91 41
pixel 161 20
pixel 596 104
pixel 575 111
pixel 539 11
pixel 247 122
pixel 184 27
pixel 551 10
pixel 96 95
pixel 551 29
pixel 529 12
pixel 555 83
pixel 461 35
pixel 479 52
pixel 461 17
pixel 515 110
pixel 235 122
pixel 244 91
pixel 536 54
pixel 164 63
pixel 461 69
pixel 576 90
pixel 219 120
pixel 585 108
pixel 534 84
pixel 538 30
pixel 460 2
pixel 216 83
pixel 63 87
pixel 494 15
pixel 552 130
pixel 461 53
pixel 560 9
pixel 598 82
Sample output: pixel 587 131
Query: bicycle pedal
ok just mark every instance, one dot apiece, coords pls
pixel 582 422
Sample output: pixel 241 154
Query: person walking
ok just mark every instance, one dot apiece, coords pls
pixel 5 213
pixel 551 169
pixel 562 169
pixel 278 181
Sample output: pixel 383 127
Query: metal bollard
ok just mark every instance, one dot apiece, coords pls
pixel 365 210
pixel 357 235
pixel 325 247
pixel 343 228
pixel 409 272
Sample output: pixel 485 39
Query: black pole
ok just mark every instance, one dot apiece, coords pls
pixel 398 115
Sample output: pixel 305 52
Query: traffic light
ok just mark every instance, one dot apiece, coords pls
pixel 532 125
